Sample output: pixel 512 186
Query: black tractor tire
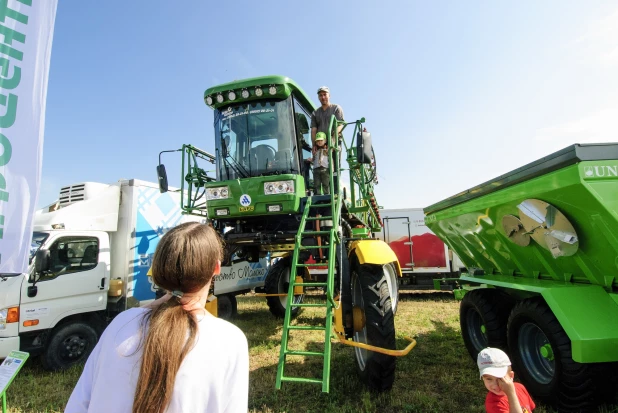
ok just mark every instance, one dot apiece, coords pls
pixel 227 306
pixel 68 345
pixel 542 359
pixel 277 282
pixel 483 315
pixel 370 292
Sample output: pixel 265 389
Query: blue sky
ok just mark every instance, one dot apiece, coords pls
pixel 454 93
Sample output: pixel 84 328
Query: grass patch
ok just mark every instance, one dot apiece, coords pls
pixel 437 376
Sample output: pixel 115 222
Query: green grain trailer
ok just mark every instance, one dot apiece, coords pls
pixel 541 247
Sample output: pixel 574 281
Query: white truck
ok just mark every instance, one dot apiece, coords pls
pixel 422 255
pixel 95 236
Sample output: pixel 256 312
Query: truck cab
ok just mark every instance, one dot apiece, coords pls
pixel 95 236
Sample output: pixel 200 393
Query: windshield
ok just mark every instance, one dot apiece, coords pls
pixel 37 240
pixel 255 138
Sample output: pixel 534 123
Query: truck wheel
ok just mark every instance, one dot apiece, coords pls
pixel 278 282
pixel 227 306
pixel 483 319
pixel 372 303
pixel 69 345
pixel 541 357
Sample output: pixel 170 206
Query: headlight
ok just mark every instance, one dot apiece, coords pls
pixel 231 96
pixel 222 192
pixel 3 314
pixel 8 315
pixel 245 94
pixel 278 187
pixel 220 98
pixel 209 100
pixel 272 90
pixel 258 91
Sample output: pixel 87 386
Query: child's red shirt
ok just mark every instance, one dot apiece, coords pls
pixel 500 404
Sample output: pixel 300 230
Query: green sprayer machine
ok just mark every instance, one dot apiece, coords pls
pixel 541 249
pixel 261 203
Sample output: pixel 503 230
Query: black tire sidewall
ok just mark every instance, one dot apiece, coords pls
pixel 51 359
pixel 484 303
pixel 379 371
pixel 228 303
pixel 271 286
pixel 537 313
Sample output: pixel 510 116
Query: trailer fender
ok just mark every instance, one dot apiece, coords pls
pixel 374 251
pixel 589 316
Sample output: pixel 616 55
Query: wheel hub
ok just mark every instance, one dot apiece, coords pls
pixel 547 352
pixel 358 317
pixel 74 347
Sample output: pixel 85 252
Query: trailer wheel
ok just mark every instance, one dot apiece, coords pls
pixel 69 344
pixel 372 302
pixel 541 357
pixel 278 282
pixel 227 306
pixel 483 317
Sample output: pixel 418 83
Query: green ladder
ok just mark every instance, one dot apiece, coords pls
pixel 328 304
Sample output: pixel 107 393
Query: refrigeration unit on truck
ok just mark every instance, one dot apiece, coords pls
pixel 423 256
pixel 95 236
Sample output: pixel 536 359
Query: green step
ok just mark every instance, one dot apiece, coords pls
pixel 320 205
pixel 310 284
pixel 324 218
pixel 308 305
pixel 315 232
pixel 304 353
pixel 316 328
pixel 312 265
pixel 305 248
pixel 301 380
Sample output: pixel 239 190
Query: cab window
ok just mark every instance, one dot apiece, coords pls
pixel 73 254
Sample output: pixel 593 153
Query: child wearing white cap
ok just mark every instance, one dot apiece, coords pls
pixel 505 396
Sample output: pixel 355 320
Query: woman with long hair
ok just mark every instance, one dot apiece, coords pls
pixel 171 356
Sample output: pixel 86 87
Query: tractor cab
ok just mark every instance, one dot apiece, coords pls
pixel 257 138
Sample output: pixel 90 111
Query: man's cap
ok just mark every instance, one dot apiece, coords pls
pixel 493 361
pixel 320 136
pixel 324 89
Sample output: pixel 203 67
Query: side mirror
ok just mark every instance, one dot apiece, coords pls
pixel 41 261
pixel 363 147
pixel 162 177
pixel 32 290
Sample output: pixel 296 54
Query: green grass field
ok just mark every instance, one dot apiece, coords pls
pixel 437 376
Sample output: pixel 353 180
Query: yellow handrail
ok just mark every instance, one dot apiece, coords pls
pixel 389 352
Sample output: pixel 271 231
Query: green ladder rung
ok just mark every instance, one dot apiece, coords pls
pixel 305 248
pixel 311 284
pixel 324 218
pixel 316 328
pixel 311 265
pixel 307 305
pixel 301 380
pixel 320 205
pixel 316 232
pixel 304 353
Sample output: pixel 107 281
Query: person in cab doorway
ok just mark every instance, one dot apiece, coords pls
pixel 321 177
pixel 504 396
pixel 170 356
pixel 320 121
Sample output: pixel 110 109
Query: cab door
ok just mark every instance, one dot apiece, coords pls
pixel 397 236
pixel 77 280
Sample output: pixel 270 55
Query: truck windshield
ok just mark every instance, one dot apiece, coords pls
pixel 38 238
pixel 255 138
